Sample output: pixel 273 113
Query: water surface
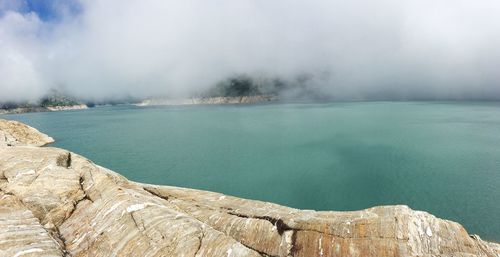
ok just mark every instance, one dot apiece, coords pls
pixel 440 157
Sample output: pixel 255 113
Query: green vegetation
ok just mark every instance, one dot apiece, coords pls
pixel 57 99
pixel 53 99
pixel 302 86
pixel 244 85
pixel 9 105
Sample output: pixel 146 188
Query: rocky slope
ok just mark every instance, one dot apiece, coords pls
pixel 43 109
pixel 57 203
pixel 210 100
pixel 54 100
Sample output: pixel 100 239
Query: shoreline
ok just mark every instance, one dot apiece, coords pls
pixel 20 110
pixel 208 100
pixel 63 203
pixel 153 102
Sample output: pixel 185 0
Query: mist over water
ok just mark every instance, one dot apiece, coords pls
pixel 353 50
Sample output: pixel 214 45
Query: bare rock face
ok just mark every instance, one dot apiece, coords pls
pixel 210 100
pixel 13 133
pixel 67 107
pixel 57 203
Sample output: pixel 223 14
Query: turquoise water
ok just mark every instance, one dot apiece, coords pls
pixel 439 157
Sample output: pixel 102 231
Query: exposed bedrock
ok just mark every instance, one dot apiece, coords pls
pixel 57 203
pixel 14 133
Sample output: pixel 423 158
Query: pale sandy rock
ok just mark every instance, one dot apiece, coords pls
pixel 378 231
pixel 13 133
pixel 67 107
pixel 57 203
pixel 21 234
pixel 92 211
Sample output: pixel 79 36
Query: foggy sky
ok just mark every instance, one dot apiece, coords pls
pixel 415 49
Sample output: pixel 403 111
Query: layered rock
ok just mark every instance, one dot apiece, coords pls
pixel 57 203
pixel 13 133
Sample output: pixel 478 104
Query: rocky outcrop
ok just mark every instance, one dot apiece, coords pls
pixel 57 203
pixel 67 107
pixel 210 100
pixel 43 109
pixel 13 133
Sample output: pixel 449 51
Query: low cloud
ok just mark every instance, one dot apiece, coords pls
pixel 383 49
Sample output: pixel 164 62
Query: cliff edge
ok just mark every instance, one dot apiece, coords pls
pixel 56 203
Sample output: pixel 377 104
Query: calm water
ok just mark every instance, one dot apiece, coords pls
pixel 440 157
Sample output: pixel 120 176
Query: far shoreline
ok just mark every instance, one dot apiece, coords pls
pixel 224 101
pixel 31 109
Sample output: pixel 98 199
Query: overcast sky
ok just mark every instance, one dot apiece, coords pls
pixel 356 49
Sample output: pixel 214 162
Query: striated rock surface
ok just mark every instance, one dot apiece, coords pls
pixel 13 133
pixel 57 203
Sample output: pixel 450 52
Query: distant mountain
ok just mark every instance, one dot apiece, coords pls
pixel 303 86
pixel 56 98
pixel 53 101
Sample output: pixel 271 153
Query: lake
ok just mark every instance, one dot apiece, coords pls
pixel 441 157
